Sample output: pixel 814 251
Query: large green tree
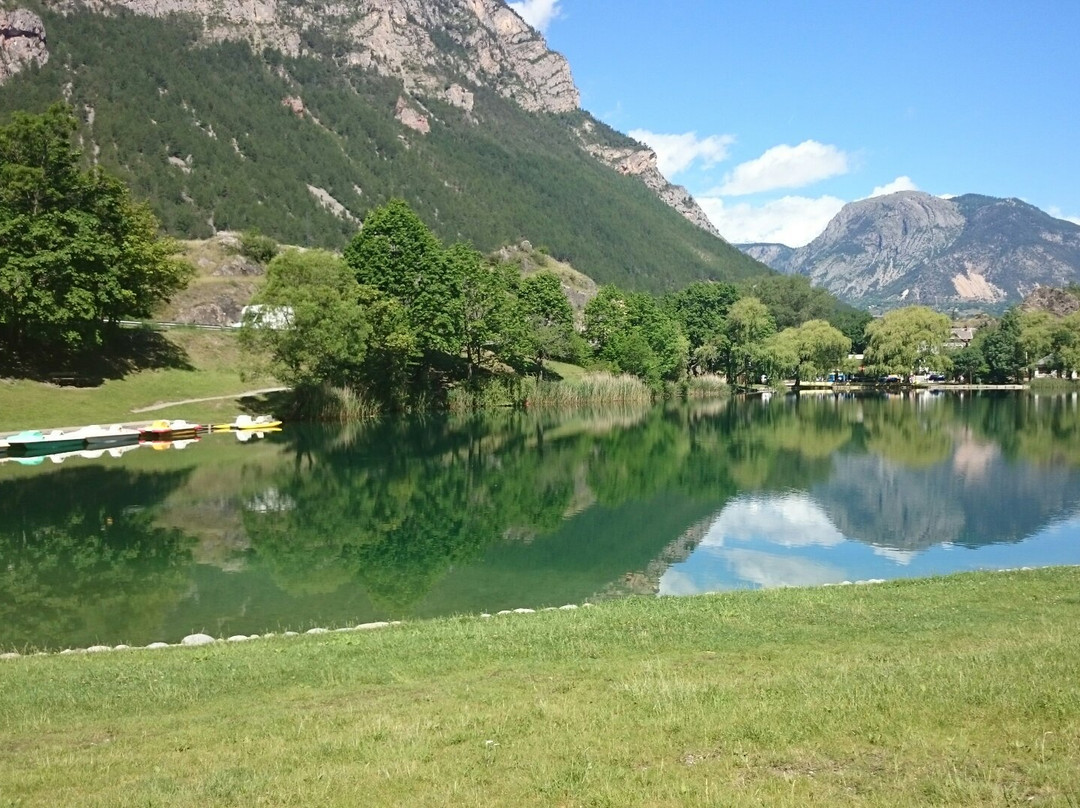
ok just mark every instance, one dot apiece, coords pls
pixel 308 324
pixel 749 325
pixel 77 253
pixel 634 334
pixel 548 318
pixel 903 340
pixel 396 253
pixel 486 307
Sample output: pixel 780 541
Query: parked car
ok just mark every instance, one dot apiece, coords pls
pixel 934 376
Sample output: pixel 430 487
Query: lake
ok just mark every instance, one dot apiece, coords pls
pixel 415 518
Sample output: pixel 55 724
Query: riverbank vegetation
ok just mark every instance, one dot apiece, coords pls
pixel 955 691
pixel 405 323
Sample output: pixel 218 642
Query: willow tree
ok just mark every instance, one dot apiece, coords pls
pixel 906 339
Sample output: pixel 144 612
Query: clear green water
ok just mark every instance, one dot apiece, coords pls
pixel 406 519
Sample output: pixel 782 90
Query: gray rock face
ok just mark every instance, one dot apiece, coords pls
pixel 22 42
pixel 407 39
pixel 435 47
pixel 777 256
pixel 911 247
pixel 641 163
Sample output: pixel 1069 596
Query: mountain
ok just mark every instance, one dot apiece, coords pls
pixel 298 116
pixel 911 247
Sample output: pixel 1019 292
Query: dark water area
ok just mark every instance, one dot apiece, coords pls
pixel 407 519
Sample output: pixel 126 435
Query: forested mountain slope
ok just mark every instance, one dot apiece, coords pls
pixel 227 122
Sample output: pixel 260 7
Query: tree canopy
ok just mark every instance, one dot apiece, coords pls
pixel 77 253
pixel 906 339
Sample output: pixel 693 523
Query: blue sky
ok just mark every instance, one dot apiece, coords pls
pixel 774 114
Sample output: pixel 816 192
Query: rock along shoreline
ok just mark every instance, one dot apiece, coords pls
pixel 199 639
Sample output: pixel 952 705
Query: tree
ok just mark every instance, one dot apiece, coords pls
pixel 968 364
pixel 485 302
pixel 326 333
pixel 701 308
pixel 1002 348
pixel 547 315
pixel 749 324
pixel 396 253
pixel 1036 337
pixel 904 340
pixel 77 253
pixel 1066 344
pixel 634 334
pixel 791 300
pixel 817 348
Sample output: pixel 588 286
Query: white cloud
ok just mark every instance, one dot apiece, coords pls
pixel 537 13
pixel 790 520
pixel 676 153
pixel 786 167
pixel 771 571
pixel 790 220
pixel 904 183
pixel 1058 213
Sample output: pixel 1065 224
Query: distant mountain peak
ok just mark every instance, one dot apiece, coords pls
pixel 912 247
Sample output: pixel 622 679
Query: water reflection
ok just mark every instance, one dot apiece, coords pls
pixel 318 526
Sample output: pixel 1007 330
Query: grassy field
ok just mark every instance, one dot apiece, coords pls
pixel 954 691
pixel 211 365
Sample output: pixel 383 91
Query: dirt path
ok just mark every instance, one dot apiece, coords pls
pixel 163 404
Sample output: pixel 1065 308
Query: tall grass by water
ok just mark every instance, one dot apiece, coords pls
pixel 333 404
pixel 948 691
pixel 1050 384
pixel 591 388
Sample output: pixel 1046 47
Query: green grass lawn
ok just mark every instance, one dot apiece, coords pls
pixel 214 368
pixel 951 691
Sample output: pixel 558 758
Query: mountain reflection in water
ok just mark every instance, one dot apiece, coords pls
pixel 416 518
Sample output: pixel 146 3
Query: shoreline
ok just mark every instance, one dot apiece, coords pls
pixel 200 639
pixel 957 690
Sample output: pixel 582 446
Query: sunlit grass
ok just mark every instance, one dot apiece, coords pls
pixel 957 691
pixel 216 369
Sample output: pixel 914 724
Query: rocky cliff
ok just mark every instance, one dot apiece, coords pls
pixel 441 49
pixel 429 46
pixel 22 42
pixel 911 247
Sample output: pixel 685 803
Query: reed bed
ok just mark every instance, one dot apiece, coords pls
pixel 332 404
pixel 592 388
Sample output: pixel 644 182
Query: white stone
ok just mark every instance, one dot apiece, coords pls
pixel 10 655
pixel 568 606
pixel 368 626
pixel 121 647
pixel 524 611
pixel 317 631
pixel 504 611
pixel 290 634
pixel 238 638
pixel 586 605
pixel 157 645
pixel 197 639
pixel 484 614
pixel 97 649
